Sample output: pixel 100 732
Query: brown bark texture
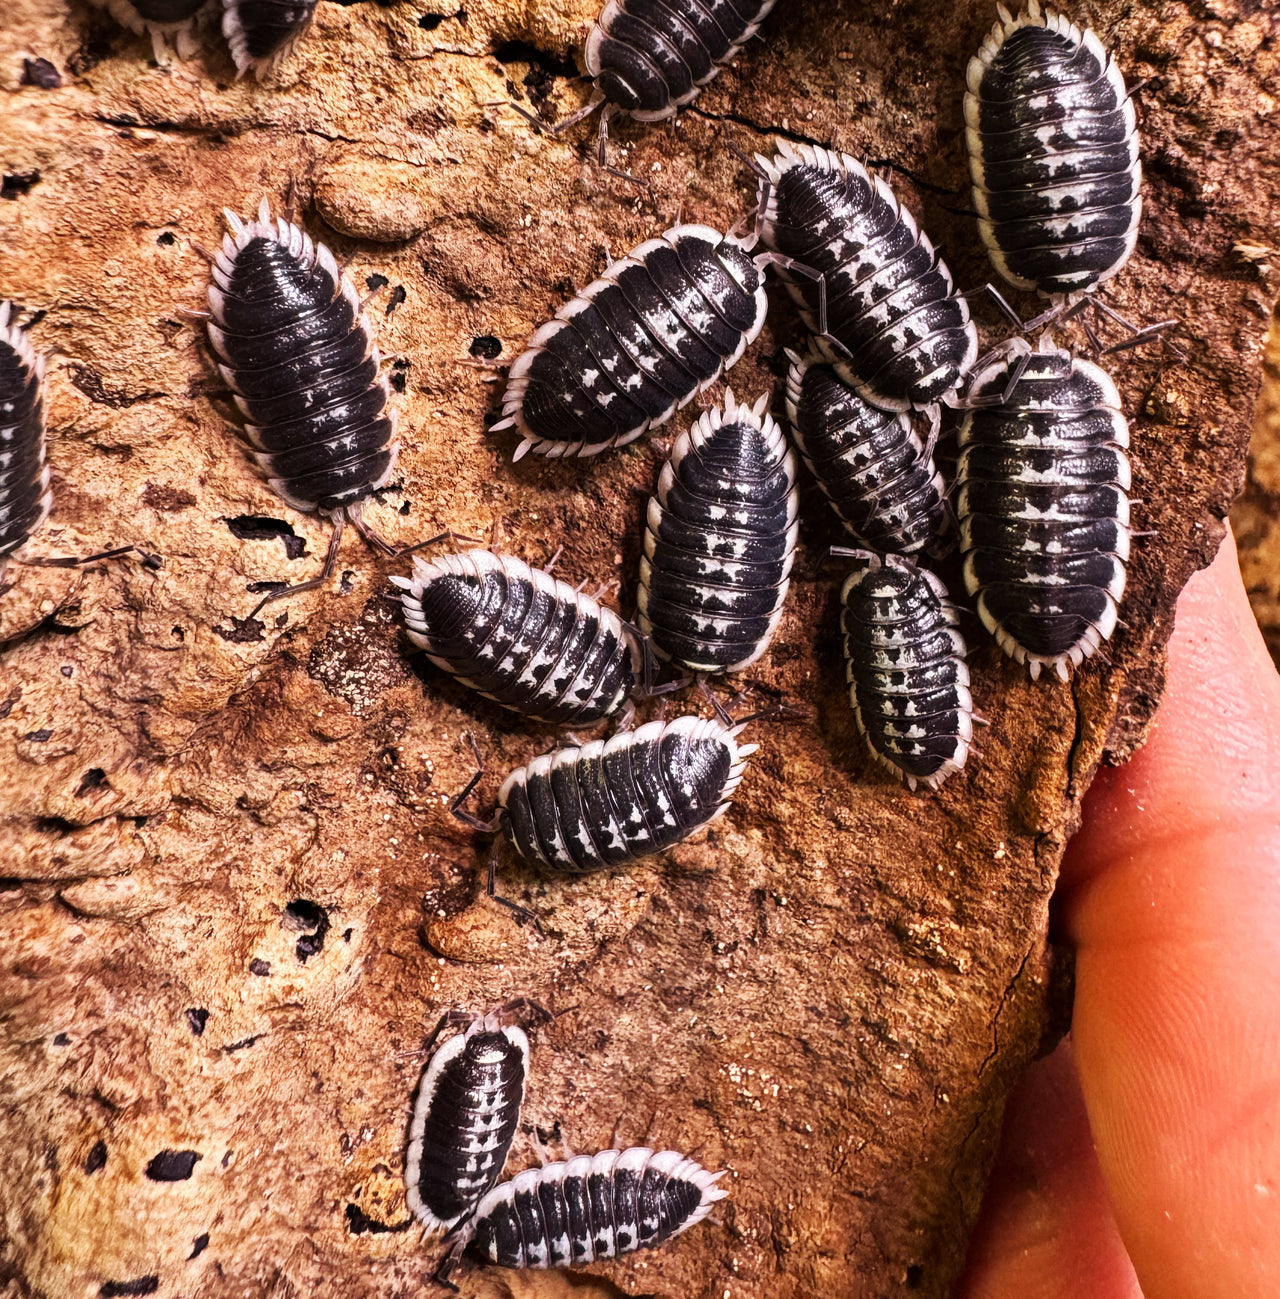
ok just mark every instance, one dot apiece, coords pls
pixel 830 994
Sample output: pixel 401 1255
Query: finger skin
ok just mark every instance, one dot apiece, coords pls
pixel 1171 897
pixel 1047 1231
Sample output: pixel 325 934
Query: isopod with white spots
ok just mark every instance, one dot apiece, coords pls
pixel 610 802
pixel 1042 497
pixel 1053 153
pixel 592 1207
pixel 25 494
pixel 719 541
pixel 259 33
pixel 464 1120
pixel 521 637
pixel 661 324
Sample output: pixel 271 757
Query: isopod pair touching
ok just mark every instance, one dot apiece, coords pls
pixel 464 1120
pixel 258 32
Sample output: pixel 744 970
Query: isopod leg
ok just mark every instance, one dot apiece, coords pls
pixel 70 561
pixel 485 827
pixel 491 888
pixel 330 563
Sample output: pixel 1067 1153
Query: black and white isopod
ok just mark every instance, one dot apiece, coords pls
pixel 520 637
pixel 906 337
pixel 165 21
pixel 719 541
pixel 261 32
pixel 878 476
pixel 1042 497
pixel 904 660
pixel 1053 153
pixel 464 1119
pixel 657 328
pixel 297 353
pixel 25 495
pixel 592 1207
pixel 613 801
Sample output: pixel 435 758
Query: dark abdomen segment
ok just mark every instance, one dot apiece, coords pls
pixel 1042 497
pixel 592 1207
pixel 260 31
pixel 1053 154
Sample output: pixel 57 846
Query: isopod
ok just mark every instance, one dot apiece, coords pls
pixel 261 32
pixel 1042 498
pixel 1053 153
pixel 865 278
pixel 622 356
pixel 881 481
pixel 904 660
pixel 649 58
pixel 298 354
pixel 719 541
pixel 25 494
pixel 592 1207
pixel 520 637
pixel 464 1119
pixel 165 21
pixel 610 802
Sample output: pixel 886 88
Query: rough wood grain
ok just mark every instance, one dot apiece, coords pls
pixel 831 994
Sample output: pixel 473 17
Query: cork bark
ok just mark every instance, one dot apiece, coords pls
pixel 233 900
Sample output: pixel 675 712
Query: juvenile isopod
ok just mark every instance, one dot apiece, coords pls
pixel 622 356
pixel 879 477
pixel 719 541
pixel 25 495
pixel 592 1207
pixel 1042 497
pixel 520 637
pixel 1053 153
pixel 865 278
pixel 904 659
pixel 464 1118
pixel 294 347
pixel 261 32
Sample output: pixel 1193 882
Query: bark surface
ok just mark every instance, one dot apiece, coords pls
pixel 233 899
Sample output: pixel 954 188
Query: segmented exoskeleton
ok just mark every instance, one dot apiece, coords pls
pixel 520 637
pixel 657 328
pixel 25 495
pixel 295 349
pixel 165 21
pixel 904 660
pixel 592 1207
pixel 613 801
pixel 879 477
pixel 464 1120
pixel 1042 497
pixel 261 32
pixel 719 541
pixel 865 278
pixel 1053 153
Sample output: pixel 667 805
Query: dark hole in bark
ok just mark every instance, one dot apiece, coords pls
pixel 96 1158
pixel 17 183
pixel 260 967
pixel 37 737
pixel 375 282
pixel 94 778
pixel 139 1285
pixel 257 527
pixel 302 914
pixel 398 295
pixel 244 631
pixel 198 1246
pixel 40 73
pixel 197 1018
pixel 358 1222
pixel 522 52
pixel 166 239
pixel 486 347
pixel 172 1165
pixel 61 1039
